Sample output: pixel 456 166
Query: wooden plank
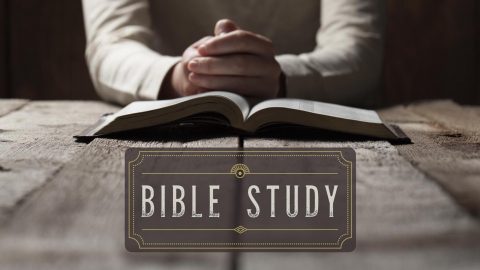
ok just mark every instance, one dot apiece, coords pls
pixel 414 257
pixel 3 50
pixel 9 105
pixel 36 141
pixel 403 218
pixel 47 50
pixel 446 147
pixel 431 51
pixel 477 38
pixel 450 115
pixel 76 220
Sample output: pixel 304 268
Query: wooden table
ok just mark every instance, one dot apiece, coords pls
pixel 62 202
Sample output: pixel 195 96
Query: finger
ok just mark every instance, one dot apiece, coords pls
pixel 238 64
pixel 192 51
pixel 189 54
pixel 224 26
pixel 248 86
pixel 201 41
pixel 238 41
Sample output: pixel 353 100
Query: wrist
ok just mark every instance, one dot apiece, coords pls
pixel 169 87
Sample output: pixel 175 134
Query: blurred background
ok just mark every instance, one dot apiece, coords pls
pixel 432 51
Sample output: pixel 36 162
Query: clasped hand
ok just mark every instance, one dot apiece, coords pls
pixel 233 60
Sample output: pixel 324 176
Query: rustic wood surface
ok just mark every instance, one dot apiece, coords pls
pixel 62 202
pixel 404 220
pixel 74 220
pixel 9 105
pixel 446 146
pixel 36 142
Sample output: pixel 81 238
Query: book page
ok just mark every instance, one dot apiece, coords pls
pixel 322 108
pixel 140 114
pixel 146 106
pixel 241 102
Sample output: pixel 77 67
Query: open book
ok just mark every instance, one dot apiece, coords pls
pixel 225 108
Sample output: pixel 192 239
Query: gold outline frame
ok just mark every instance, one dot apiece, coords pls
pixel 340 158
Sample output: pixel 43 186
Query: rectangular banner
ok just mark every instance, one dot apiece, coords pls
pixel 216 199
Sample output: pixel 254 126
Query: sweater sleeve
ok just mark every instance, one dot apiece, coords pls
pixel 345 65
pixel 119 53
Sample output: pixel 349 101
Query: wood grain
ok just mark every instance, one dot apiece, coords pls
pixel 403 218
pixel 4 93
pixel 36 141
pixel 431 51
pixel 446 146
pixel 78 215
pixel 9 105
pixel 62 202
pixel 47 45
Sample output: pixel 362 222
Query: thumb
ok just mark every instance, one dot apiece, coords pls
pixel 224 26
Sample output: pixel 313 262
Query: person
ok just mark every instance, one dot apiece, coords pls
pixel 325 50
